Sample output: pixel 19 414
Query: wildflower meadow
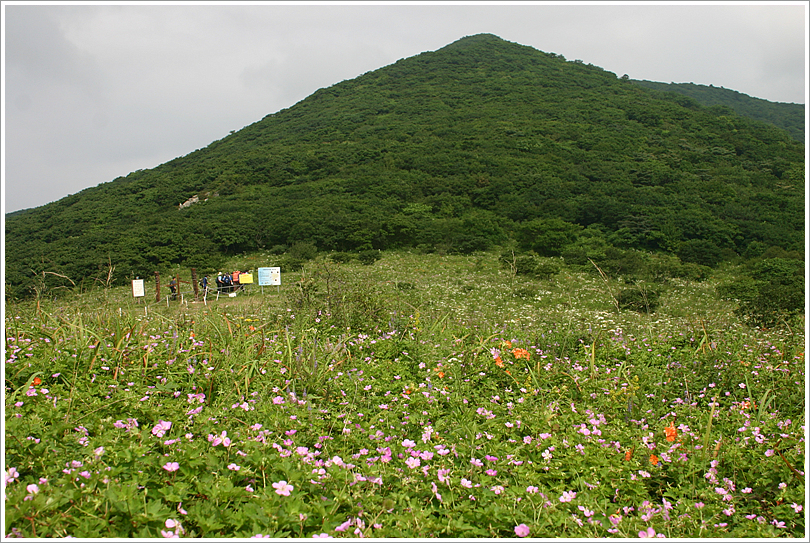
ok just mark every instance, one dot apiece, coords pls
pixel 418 396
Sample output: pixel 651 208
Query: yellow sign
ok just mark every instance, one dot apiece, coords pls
pixel 245 278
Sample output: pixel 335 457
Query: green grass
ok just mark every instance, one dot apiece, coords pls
pixel 421 396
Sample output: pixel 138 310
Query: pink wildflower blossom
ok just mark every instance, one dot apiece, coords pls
pixel 283 488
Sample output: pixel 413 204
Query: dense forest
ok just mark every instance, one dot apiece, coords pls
pixel 479 144
pixel 789 117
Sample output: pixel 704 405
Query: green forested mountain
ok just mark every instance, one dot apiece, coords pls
pixel 788 117
pixel 478 143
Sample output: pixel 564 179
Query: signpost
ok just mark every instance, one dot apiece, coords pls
pixel 137 288
pixel 270 276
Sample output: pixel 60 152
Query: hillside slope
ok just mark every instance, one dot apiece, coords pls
pixel 472 145
pixel 788 117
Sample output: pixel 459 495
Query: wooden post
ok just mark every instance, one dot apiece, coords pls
pixel 157 286
pixel 194 283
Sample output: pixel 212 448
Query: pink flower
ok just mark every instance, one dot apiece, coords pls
pixel 343 527
pixel 33 489
pixel 234 467
pixel 436 491
pixel 568 496
pixel 413 463
pixel 586 511
pixel 171 523
pixel 11 475
pixel 283 488
pixel 649 532
pixel 521 530
pixel 161 428
pixel 171 466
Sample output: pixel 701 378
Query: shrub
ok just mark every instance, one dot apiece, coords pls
pixel 290 263
pixel 369 256
pixel 547 237
pixel 468 244
pixel 662 267
pixel 622 262
pixel 700 251
pixel 341 257
pixel 693 272
pixel 525 264
pixel 303 250
pixel 772 290
pixel 743 290
pixel 547 267
pixel 278 249
pixel 638 298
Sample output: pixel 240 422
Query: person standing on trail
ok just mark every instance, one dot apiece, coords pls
pixel 173 288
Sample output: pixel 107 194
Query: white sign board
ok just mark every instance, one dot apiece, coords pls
pixel 269 276
pixel 137 288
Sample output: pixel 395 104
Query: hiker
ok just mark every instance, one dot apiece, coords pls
pixel 204 284
pixel 220 284
pixel 173 288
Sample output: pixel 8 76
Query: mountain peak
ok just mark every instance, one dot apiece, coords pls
pixel 476 40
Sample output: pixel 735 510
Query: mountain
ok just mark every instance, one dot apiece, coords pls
pixel 788 117
pixel 478 143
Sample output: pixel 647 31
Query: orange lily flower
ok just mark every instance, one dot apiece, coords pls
pixel 521 353
pixel 670 431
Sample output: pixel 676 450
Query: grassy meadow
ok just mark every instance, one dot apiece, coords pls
pixel 420 396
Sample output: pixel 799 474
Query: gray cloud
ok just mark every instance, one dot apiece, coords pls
pixel 96 91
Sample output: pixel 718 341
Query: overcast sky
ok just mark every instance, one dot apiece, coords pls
pixel 93 92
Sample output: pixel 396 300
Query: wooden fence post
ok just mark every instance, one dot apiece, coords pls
pixel 194 283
